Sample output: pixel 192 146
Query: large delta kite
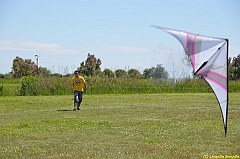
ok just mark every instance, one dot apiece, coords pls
pixel 209 58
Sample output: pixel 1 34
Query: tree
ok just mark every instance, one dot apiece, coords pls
pixel 236 67
pixel 187 60
pixel 230 69
pixel 133 73
pixel 120 73
pixel 44 72
pixel 109 73
pixel 159 72
pixel 82 69
pixel 147 73
pixel 156 72
pixel 24 67
pixel 91 66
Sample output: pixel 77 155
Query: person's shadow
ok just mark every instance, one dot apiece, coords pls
pixel 64 110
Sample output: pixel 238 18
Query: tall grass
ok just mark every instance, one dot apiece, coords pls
pixel 102 85
pixel 132 85
pixel 45 86
pixel 9 87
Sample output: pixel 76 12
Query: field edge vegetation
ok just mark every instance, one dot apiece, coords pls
pixel 43 86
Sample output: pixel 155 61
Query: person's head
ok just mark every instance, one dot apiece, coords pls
pixel 76 73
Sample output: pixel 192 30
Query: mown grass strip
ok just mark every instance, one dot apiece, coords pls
pixel 118 126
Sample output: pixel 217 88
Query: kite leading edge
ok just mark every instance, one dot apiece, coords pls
pixel 209 58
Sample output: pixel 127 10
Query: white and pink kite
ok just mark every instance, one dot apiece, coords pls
pixel 209 58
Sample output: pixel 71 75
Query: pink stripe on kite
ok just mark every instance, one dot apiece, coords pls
pixel 187 43
pixel 212 72
pixel 193 54
pixel 219 84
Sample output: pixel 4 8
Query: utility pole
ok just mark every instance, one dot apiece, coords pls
pixel 37 56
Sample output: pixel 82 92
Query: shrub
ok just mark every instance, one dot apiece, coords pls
pixel 29 86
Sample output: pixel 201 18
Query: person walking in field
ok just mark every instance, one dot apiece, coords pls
pixel 79 87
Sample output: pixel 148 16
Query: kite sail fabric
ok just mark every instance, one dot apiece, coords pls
pixel 209 58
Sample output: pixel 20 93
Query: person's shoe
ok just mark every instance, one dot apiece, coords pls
pixel 78 109
pixel 74 109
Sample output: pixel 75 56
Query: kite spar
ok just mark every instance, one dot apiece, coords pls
pixel 209 58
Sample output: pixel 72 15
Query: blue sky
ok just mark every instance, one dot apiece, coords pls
pixel 118 32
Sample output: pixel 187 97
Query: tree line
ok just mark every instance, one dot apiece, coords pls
pixel 92 67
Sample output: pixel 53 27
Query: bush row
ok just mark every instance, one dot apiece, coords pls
pixel 33 86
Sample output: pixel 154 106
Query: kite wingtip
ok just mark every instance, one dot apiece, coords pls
pixel 155 26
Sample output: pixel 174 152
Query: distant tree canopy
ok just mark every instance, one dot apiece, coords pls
pixel 109 73
pixel 133 73
pixel 148 72
pixel 44 72
pixel 91 67
pixel 234 68
pixel 120 73
pixel 24 67
pixel 155 72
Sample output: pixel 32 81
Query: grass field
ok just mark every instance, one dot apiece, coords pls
pixel 118 126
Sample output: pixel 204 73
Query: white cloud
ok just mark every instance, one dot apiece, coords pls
pixel 31 46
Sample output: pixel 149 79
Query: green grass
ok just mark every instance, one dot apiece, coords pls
pixel 118 126
pixel 9 86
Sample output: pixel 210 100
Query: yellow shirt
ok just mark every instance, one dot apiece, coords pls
pixel 78 83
